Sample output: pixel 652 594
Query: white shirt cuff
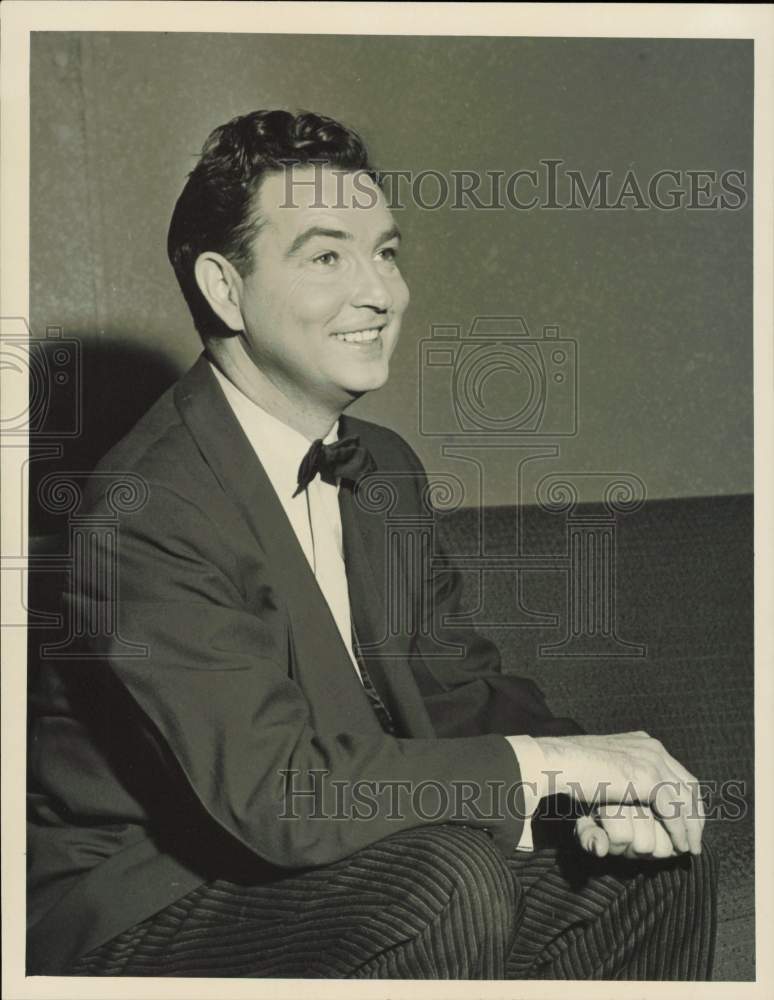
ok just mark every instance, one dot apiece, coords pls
pixel 534 782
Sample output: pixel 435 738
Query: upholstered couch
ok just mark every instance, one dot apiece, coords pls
pixel 684 591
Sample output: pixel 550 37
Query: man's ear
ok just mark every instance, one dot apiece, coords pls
pixel 220 283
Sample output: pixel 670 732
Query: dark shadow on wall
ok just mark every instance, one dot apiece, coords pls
pixel 85 395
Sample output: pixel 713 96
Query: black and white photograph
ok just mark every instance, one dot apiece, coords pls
pixel 386 454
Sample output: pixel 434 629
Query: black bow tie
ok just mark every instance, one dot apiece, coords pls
pixel 347 459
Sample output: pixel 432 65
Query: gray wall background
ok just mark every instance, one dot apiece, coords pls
pixel 660 303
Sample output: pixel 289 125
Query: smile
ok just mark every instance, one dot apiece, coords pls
pixel 360 336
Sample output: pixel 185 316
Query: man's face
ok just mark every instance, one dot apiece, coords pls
pixel 323 305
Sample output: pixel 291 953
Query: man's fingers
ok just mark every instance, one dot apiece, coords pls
pixel 694 818
pixel 624 831
pixel 683 803
pixel 643 826
pixel 617 824
pixel 650 839
pixel 673 796
pixel 663 847
pixel 670 805
pixel 591 837
pixel 626 768
pixel 696 815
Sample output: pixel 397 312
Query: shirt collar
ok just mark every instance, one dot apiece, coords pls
pixel 280 448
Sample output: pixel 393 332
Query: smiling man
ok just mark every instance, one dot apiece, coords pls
pixel 241 800
pixel 318 316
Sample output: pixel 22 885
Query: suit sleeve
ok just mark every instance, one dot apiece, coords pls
pixel 213 689
pixel 470 694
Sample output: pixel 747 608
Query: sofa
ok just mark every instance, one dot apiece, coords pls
pixel 683 593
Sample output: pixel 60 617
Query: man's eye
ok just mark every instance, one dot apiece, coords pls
pixel 326 259
pixel 389 253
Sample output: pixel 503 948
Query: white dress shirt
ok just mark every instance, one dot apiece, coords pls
pixel 316 520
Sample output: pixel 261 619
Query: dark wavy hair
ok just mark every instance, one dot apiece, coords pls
pixel 216 208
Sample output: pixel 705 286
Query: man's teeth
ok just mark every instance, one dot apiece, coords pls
pixel 359 336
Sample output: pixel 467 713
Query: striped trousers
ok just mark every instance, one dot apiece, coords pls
pixel 437 903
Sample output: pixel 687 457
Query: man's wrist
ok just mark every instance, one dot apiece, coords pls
pixel 532 765
pixel 559 765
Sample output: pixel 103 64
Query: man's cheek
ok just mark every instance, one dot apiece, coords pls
pixel 401 296
pixel 316 301
pixel 405 289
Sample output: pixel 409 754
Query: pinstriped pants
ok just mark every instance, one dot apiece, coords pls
pixel 437 903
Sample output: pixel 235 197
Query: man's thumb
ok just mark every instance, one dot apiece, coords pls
pixel 591 837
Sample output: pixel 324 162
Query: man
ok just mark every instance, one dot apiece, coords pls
pixel 200 810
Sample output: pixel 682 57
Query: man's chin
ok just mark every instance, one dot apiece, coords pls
pixel 359 386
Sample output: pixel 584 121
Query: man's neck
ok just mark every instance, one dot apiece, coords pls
pixel 309 417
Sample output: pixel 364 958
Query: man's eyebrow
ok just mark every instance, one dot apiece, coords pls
pixel 393 233
pixel 308 234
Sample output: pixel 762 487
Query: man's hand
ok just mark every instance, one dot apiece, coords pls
pixel 628 768
pixel 627 831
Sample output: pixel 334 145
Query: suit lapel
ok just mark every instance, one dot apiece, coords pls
pixel 386 655
pixel 319 659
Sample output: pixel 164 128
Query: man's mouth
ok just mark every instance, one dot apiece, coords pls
pixel 366 336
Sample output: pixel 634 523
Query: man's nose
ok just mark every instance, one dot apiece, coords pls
pixel 370 288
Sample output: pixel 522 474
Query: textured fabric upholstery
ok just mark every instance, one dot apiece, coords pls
pixel 684 590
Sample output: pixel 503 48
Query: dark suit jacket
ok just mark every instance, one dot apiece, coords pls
pixel 150 774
